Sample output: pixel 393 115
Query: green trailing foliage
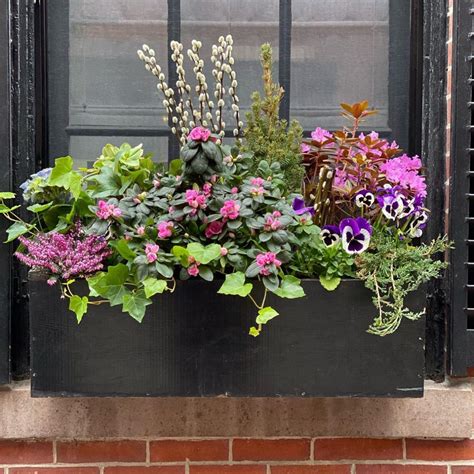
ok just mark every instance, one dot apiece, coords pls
pixel 269 137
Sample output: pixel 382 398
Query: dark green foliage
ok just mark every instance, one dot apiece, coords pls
pixel 268 137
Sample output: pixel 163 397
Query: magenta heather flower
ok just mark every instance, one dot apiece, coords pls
pixel 195 199
pixel 230 209
pixel 265 262
pixel 66 256
pixel 106 211
pixel 404 171
pixel 199 134
pixel 151 251
pixel 165 229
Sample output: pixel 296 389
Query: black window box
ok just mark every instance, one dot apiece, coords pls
pixel 195 343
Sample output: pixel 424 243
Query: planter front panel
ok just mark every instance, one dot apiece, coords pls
pixel 195 343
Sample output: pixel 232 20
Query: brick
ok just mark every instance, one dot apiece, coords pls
pixel 399 469
pixel 228 469
pixel 199 450
pixel 145 470
pixel 54 470
pixel 24 452
pixel 321 469
pixel 462 469
pixel 437 450
pixel 101 451
pixel 333 449
pixel 271 449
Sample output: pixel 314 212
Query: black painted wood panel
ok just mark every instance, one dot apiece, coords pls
pixel 195 343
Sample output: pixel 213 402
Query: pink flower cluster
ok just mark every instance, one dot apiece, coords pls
pixel 265 261
pixel 199 134
pixel 381 145
pixel 193 269
pixel 68 255
pixel 230 210
pixel 214 228
pixel 106 211
pixel 151 252
pixel 404 171
pixel 271 222
pixel 196 199
pixel 165 229
pixel 321 135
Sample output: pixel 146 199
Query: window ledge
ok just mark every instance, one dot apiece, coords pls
pixel 443 412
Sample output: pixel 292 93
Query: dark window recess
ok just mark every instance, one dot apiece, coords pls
pixel 99 91
pixel 462 194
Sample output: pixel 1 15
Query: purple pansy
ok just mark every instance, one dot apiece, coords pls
pixel 391 204
pixel 418 223
pixel 355 234
pixel 364 198
pixel 330 235
pixel 299 206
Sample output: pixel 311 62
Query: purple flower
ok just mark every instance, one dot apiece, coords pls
pixel 392 205
pixel 355 235
pixel 299 207
pixel 364 198
pixel 330 235
pixel 418 223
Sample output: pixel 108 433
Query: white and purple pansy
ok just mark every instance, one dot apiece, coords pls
pixel 391 205
pixel 418 223
pixel 330 235
pixel 355 234
pixel 364 198
pixel 300 208
pixel 408 207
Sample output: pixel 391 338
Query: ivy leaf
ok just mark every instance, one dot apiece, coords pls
pixel 107 183
pixel 65 177
pixel 153 286
pixel 110 284
pixel 15 230
pixel 7 195
pixel 39 207
pixel 181 254
pixel 254 332
pixel 234 284
pixel 266 314
pixel 78 306
pixel 329 283
pixel 203 254
pixel 290 288
pixel 4 209
pixel 124 250
pixel 135 305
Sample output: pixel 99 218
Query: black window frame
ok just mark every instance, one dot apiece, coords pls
pixel 29 129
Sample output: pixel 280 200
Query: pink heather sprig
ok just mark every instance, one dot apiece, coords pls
pixel 266 261
pixel 66 256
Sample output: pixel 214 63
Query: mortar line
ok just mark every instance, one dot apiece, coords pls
pixel 231 449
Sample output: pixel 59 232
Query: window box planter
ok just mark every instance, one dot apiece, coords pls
pixel 194 343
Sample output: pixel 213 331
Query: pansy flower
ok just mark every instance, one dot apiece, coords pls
pixel 418 223
pixel 300 207
pixel 330 235
pixel 391 205
pixel 355 234
pixel 364 198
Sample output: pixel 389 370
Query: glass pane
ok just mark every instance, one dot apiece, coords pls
pixel 86 149
pixel 251 23
pixel 341 52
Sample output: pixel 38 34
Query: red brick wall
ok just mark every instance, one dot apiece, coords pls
pixel 238 456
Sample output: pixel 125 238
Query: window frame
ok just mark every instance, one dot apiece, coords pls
pixel 427 35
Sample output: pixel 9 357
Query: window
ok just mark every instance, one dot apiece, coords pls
pixel 325 53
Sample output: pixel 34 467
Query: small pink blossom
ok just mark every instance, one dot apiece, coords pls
pixel 230 209
pixel 234 190
pixel 257 181
pixel 51 281
pixel 271 224
pixel 224 251
pixel 321 135
pixel 257 191
pixel 207 189
pixel 305 148
pixel 276 214
pixel 156 183
pixel 151 251
pixel 214 228
pixel 165 229
pixel 193 270
pixel 265 260
pixel 141 230
pixel 106 211
pixel 195 199
pixel 199 134
pixel 170 210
